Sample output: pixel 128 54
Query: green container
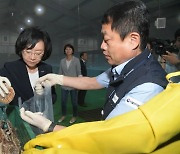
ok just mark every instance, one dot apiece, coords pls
pixel 22 128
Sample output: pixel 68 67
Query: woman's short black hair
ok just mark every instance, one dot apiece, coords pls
pixel 70 46
pixel 29 37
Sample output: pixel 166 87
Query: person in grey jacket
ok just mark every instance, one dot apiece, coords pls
pixel 69 66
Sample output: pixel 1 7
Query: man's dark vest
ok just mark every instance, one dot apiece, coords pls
pixel 142 69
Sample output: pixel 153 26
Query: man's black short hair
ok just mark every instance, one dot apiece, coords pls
pixel 82 53
pixel 29 37
pixel 129 16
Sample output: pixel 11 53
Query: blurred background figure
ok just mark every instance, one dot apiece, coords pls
pixel 168 51
pixel 173 59
pixel 69 66
pixel 151 49
pixel 82 93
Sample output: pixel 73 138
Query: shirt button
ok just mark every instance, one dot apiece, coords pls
pixel 102 112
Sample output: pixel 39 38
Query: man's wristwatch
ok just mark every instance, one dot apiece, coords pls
pixel 51 127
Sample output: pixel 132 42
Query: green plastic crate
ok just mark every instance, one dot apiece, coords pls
pixel 22 128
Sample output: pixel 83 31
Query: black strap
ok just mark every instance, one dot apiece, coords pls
pixel 51 127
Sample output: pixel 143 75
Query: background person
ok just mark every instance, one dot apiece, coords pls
pixel 69 66
pixel 82 93
pixel 151 49
pixel 173 60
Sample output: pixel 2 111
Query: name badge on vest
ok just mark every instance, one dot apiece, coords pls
pixel 115 98
pixel 133 102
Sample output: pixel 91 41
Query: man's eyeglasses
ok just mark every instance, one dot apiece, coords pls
pixel 29 52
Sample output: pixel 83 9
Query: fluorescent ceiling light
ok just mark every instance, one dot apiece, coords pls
pixel 28 21
pixel 39 10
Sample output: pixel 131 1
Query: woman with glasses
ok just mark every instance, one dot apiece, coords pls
pixel 33 46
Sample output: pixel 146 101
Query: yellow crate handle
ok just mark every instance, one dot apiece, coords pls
pixel 170 75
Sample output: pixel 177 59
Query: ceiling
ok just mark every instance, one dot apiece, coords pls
pixel 66 18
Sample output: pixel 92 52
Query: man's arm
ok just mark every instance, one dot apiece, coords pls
pixel 140 131
pixel 83 83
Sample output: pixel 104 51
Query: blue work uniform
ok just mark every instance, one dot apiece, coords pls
pixel 140 93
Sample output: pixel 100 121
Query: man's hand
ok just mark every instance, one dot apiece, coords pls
pixel 35 119
pixel 47 80
pixel 39 88
pixel 171 57
pixel 52 79
pixel 4 84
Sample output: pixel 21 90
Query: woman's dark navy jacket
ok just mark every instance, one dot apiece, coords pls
pixel 17 74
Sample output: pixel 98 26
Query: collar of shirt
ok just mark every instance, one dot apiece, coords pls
pixel 83 60
pixel 117 70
